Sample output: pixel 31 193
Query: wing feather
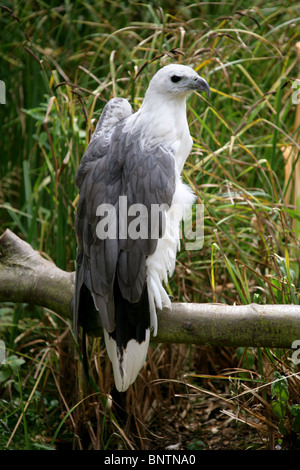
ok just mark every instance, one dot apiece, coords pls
pixel 110 169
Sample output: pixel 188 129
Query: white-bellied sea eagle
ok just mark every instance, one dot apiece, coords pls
pixel 128 217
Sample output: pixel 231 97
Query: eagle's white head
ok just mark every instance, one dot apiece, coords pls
pixel 176 80
pixel 162 117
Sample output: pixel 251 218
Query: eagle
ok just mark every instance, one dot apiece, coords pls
pixel 130 206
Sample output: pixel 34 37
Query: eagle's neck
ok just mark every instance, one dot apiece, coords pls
pixel 163 120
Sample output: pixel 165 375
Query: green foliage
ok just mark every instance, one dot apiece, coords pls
pixel 295 411
pixel 197 444
pixel 10 368
pixel 280 405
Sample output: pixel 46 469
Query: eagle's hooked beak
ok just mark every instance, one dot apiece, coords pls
pixel 201 84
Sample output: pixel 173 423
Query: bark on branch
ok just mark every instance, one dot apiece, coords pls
pixel 26 276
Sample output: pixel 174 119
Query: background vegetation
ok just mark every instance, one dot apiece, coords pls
pixel 61 61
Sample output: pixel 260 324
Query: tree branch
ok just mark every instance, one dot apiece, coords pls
pixel 26 276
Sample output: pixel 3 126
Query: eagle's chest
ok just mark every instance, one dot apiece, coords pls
pixel 165 123
pixel 182 148
pixel 178 134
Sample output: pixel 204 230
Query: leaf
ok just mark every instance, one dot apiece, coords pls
pixel 14 362
pixel 4 374
pixel 295 411
pixel 280 387
pixel 196 445
pixel 282 428
pixel 278 408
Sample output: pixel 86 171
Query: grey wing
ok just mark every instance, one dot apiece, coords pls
pixel 113 112
pixel 144 177
pixel 148 180
pixel 96 259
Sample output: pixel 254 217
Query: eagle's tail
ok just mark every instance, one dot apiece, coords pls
pixel 127 345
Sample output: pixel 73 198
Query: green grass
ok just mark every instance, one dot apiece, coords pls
pixel 60 64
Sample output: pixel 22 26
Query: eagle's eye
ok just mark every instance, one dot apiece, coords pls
pixel 175 78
